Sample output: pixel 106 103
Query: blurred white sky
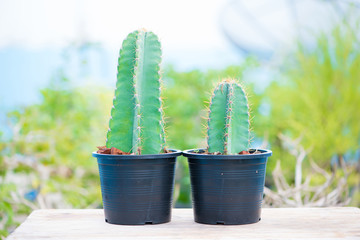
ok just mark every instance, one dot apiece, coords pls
pixel 184 26
pixel 188 29
pixel 41 23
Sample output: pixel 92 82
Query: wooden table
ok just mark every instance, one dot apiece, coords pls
pixel 289 223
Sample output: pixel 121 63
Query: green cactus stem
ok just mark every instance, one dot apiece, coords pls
pixel 136 124
pixel 228 123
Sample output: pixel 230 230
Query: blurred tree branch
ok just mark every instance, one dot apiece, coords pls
pixel 333 192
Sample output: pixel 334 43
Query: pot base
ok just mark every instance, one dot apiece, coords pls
pixel 135 218
pixel 235 218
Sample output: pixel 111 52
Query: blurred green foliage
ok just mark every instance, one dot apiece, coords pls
pixel 47 162
pixel 316 98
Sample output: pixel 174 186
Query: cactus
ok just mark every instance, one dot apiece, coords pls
pixel 228 122
pixel 136 124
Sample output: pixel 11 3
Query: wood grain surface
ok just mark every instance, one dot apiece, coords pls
pixel 276 223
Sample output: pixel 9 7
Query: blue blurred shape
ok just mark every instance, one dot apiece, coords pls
pixel 32 194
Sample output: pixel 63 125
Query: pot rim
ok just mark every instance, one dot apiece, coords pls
pixel 173 153
pixel 190 154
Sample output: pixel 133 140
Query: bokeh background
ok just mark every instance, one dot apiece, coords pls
pixel 299 60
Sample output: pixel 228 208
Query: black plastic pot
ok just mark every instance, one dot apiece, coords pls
pixel 137 189
pixel 227 189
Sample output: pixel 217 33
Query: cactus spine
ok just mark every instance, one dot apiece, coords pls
pixel 136 124
pixel 228 122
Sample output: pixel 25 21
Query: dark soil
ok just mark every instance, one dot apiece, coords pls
pixel 115 151
pixel 219 153
pixel 112 151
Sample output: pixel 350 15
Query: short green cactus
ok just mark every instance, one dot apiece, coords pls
pixel 136 124
pixel 228 123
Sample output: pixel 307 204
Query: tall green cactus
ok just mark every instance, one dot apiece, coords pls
pixel 136 124
pixel 228 123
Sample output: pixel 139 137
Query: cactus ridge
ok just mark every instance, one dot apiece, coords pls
pixel 228 122
pixel 136 124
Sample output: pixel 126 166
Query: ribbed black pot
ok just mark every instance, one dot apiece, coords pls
pixel 227 189
pixel 137 189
